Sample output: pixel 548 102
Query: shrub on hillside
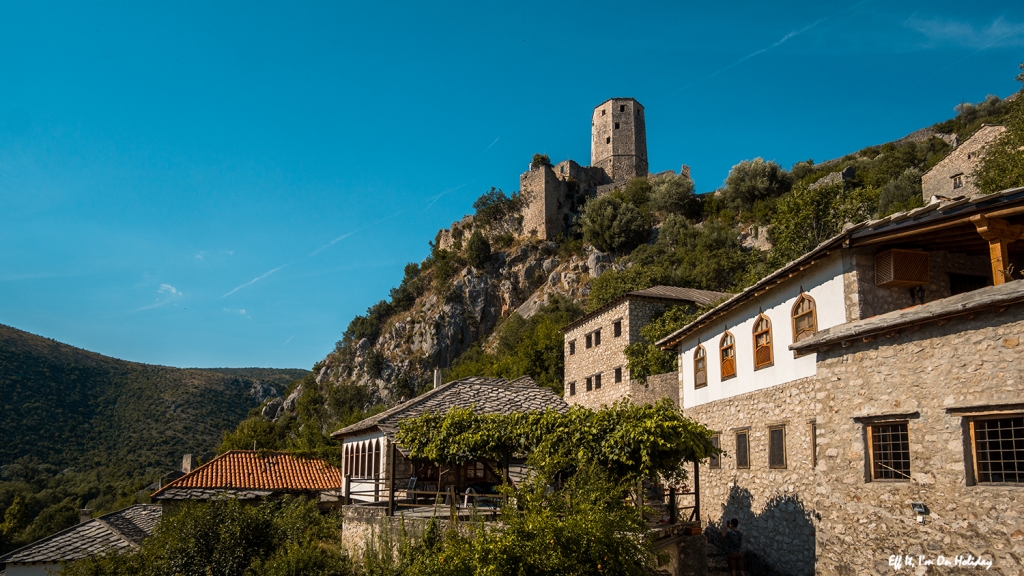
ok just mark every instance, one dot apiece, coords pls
pixel 807 217
pixel 903 193
pixel 753 180
pixel 610 223
pixel 478 250
pixel 540 160
pixel 638 192
pixel 673 194
pixel 1002 165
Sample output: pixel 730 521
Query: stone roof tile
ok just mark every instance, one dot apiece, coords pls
pixel 115 532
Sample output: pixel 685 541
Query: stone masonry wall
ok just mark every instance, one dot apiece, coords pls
pixel 619 139
pixel 657 387
pixel 545 199
pixel 774 506
pixel 938 181
pixel 610 354
pixel 964 362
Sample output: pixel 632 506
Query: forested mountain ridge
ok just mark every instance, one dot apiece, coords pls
pixel 69 407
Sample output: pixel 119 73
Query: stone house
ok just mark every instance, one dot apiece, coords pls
pixel 596 373
pixel 251 475
pixel 369 445
pixel 868 395
pixel 953 176
pixel 114 533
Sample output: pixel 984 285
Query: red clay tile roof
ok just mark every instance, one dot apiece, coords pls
pixel 275 471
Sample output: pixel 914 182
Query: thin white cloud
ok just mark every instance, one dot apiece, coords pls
pixel 288 340
pixel 942 32
pixel 255 280
pixel 331 243
pixel 168 289
pixel 166 295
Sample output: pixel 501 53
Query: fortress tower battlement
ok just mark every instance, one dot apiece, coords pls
pixel 619 139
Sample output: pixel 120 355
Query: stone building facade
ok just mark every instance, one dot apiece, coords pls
pixel 596 373
pixel 862 437
pixel 954 175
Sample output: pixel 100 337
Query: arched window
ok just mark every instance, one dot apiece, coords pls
pixel 700 367
pixel 362 459
pixel 805 319
pixel 376 458
pixel 762 342
pixel 728 349
pixel 346 466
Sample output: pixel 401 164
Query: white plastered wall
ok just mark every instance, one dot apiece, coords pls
pixel 823 282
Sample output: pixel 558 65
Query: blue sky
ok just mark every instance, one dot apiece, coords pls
pixel 228 184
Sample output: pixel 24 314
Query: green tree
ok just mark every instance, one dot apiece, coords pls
pixel 808 216
pixel 494 207
pixel 903 193
pixel 610 223
pixel 478 250
pixel 1002 164
pixel 673 194
pixel 16 518
pixel 254 433
pixel 643 357
pixel 753 180
pixel 53 519
pixel 540 160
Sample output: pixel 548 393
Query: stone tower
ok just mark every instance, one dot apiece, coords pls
pixel 619 139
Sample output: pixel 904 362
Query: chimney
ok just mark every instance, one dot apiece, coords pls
pixel 437 378
pixel 188 463
pixel 84 515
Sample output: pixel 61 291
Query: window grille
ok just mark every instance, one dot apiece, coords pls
pixel 777 447
pixel 805 319
pixel 597 338
pixel 762 342
pixel 617 328
pixel 572 347
pixel 999 449
pixel 572 388
pixel 715 461
pixel 618 374
pixel 700 368
pixel 742 450
pixel 597 381
pixel 590 383
pixel 728 349
pixel 590 341
pixel 890 451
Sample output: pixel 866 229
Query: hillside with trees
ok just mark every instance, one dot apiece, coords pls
pixel 85 430
pixel 489 300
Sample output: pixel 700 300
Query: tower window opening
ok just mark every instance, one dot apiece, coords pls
pixel 616 125
pixel 602 112
pixel 608 140
pixel 622 107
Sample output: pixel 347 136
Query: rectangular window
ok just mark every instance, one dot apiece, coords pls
pixel 716 460
pixel 618 374
pixel 742 450
pixel 608 140
pixel 475 471
pixel 622 107
pixel 814 444
pixel 597 338
pixel 597 381
pixel 590 341
pixel 890 451
pixel 617 328
pixel 777 447
pixel 572 347
pixel 590 384
pixel 572 388
pixel 998 445
pixel 616 125
pixel 958 181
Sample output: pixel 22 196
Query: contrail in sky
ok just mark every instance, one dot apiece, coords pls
pixel 492 144
pixel 255 280
pixel 776 44
pixel 331 243
pixel 985 47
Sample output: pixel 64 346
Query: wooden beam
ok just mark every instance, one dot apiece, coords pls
pixel 998 233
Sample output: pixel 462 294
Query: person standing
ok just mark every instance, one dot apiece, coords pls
pixel 733 546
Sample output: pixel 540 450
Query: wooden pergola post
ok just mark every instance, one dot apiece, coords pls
pixel 391 478
pixel 998 233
